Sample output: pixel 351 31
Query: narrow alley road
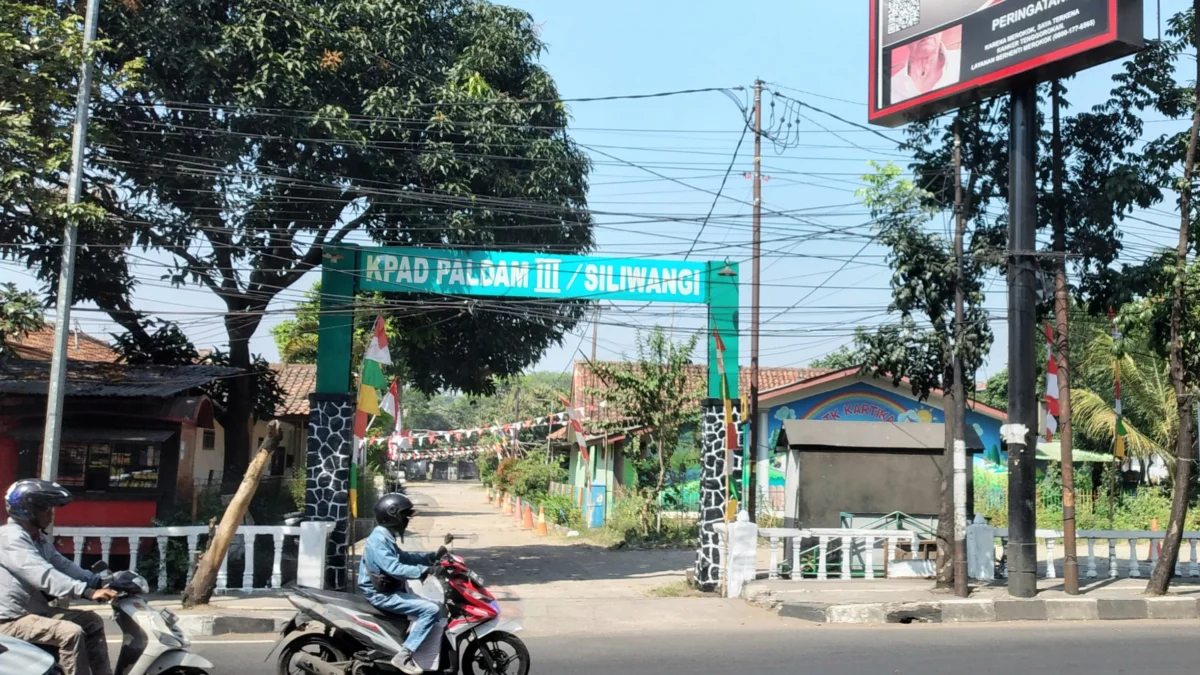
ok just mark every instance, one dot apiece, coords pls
pixel 566 585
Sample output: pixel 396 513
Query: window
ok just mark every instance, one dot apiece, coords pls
pixel 99 467
pixel 209 442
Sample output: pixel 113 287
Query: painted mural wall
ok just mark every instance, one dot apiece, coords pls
pixel 861 402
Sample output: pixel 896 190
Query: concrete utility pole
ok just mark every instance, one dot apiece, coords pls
pixel 752 414
pixel 66 277
pixel 1021 428
pixel 959 389
pixel 1062 353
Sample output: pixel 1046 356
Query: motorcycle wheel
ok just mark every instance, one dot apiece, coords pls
pixel 314 644
pixel 508 653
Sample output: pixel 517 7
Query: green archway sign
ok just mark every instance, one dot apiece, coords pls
pixel 501 274
pixel 348 269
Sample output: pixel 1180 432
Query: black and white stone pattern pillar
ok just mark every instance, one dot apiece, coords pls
pixel 330 439
pixel 712 487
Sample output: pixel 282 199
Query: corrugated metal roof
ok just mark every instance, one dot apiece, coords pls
pixel 90 379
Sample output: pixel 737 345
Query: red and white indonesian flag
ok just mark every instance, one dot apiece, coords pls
pixel 577 427
pixel 377 350
pixel 1051 386
pixel 390 405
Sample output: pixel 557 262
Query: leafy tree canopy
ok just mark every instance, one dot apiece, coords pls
pixel 258 132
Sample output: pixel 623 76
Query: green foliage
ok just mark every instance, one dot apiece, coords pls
pixel 653 392
pixel 41 47
pixel 488 463
pixel 843 358
pixel 919 346
pixel 20 314
pixel 562 510
pixel 529 478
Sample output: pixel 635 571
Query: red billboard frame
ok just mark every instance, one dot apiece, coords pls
pixel 1121 40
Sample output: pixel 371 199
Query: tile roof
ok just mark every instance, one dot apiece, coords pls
pixel 38 346
pixel 117 380
pixel 298 381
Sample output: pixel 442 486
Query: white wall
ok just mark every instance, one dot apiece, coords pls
pixel 294 441
pixel 209 460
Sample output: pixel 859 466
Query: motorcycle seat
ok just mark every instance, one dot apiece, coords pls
pixel 357 602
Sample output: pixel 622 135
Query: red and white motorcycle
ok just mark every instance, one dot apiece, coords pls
pixel 342 634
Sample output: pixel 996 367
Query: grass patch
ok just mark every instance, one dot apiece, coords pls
pixel 675 589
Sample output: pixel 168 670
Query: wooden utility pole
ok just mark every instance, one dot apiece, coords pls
pixel 1160 578
pixel 1061 348
pixel 959 389
pixel 204 581
pixel 755 431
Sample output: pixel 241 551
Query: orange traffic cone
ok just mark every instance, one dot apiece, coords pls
pixel 541 522
pixel 516 512
pixel 526 517
pixel 508 506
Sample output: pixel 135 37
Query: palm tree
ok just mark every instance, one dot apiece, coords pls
pixel 1147 398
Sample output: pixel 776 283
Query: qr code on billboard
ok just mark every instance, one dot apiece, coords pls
pixel 902 14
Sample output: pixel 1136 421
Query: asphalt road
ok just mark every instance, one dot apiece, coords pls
pixel 1094 648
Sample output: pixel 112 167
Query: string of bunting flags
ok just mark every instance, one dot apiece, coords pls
pixel 409 442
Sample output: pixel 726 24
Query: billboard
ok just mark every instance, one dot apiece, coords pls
pixel 928 56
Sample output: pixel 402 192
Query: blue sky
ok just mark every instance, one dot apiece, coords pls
pixel 813 51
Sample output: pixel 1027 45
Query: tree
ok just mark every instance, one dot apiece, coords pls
pixel 263 131
pixel 843 358
pixel 918 346
pixel 20 314
pixel 41 45
pixel 653 392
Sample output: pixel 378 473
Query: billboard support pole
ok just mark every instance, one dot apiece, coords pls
pixel 1022 329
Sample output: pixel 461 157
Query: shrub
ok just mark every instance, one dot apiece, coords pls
pixel 561 510
pixel 487 468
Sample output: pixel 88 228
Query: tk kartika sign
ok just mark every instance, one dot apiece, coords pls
pixel 929 56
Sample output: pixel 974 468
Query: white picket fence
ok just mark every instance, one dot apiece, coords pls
pixel 982 551
pixel 311 547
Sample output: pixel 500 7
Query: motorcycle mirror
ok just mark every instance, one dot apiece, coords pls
pixel 449 539
pixel 99 567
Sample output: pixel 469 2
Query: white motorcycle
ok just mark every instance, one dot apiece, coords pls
pixel 18 656
pixel 152 642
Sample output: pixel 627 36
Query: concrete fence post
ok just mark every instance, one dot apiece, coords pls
pixel 981 547
pixel 310 564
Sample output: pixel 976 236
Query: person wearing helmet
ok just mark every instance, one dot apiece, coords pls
pixel 32 572
pixel 385 568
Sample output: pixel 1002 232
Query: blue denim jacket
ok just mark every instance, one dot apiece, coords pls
pixel 381 555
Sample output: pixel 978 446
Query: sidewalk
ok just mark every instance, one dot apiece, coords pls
pixel 915 600
pixel 558 586
pixel 264 612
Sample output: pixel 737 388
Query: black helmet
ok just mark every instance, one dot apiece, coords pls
pixel 393 511
pixel 28 496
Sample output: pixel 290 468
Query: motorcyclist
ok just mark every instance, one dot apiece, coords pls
pixel 385 568
pixel 32 571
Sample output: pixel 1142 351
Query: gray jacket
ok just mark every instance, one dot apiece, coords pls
pixel 30 567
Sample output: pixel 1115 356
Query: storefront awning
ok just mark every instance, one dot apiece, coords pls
pixel 869 435
pixel 97 435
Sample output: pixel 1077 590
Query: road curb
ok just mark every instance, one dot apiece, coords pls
pixel 980 610
pixel 211 625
